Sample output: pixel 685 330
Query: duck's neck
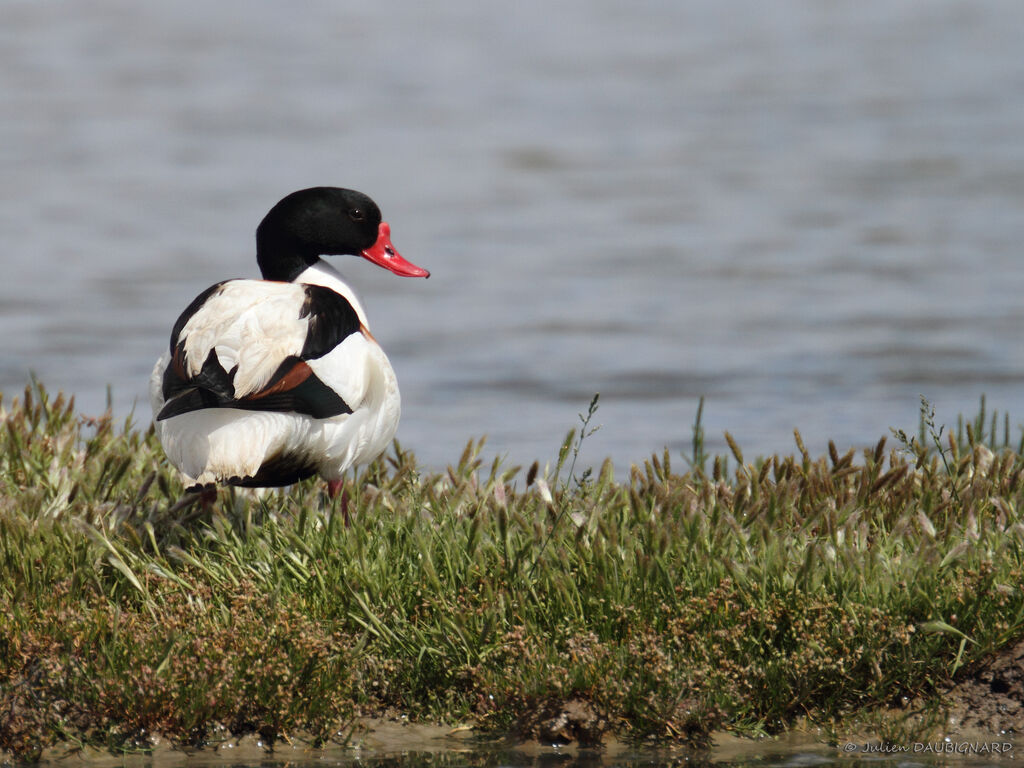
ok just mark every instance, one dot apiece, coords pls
pixel 278 262
pixel 322 273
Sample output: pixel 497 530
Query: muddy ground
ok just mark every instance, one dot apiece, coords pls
pixel 991 699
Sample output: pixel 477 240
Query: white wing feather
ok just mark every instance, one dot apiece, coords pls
pixel 251 324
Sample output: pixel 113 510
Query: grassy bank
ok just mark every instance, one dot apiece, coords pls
pixel 721 593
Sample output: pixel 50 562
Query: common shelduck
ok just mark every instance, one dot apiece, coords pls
pixel 267 382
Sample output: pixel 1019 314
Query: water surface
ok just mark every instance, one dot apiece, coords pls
pixel 809 213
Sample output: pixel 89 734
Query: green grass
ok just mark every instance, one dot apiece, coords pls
pixel 732 595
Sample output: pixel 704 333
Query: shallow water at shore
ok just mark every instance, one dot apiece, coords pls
pixel 437 747
pixel 399 742
pixel 808 213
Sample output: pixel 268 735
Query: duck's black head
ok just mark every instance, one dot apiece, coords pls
pixel 325 221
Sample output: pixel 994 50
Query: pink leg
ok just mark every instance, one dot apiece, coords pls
pixel 333 486
pixel 208 496
pixel 200 497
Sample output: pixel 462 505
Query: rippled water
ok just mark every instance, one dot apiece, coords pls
pixel 807 212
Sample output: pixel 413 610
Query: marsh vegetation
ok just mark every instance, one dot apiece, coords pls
pixel 698 593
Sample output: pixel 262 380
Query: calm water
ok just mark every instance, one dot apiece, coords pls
pixel 807 212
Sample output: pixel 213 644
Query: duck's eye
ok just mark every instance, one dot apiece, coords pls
pixel 356 214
